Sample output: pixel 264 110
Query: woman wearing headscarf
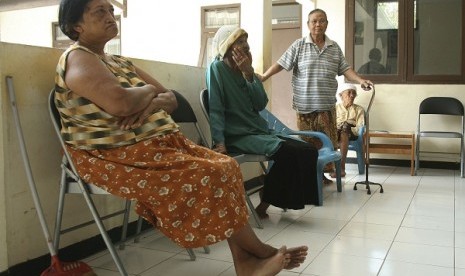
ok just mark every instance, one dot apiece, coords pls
pixel 117 128
pixel 236 96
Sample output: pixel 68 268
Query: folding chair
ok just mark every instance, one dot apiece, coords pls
pixel 441 107
pixel 71 183
pixel 326 154
pixel 241 159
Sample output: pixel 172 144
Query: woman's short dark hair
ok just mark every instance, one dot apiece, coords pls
pixel 70 12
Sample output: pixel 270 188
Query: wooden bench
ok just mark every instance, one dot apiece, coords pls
pixel 399 143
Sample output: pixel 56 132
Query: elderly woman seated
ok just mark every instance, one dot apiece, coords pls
pixel 118 131
pixel 236 98
pixel 350 117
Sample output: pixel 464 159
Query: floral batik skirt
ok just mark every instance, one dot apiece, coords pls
pixel 192 194
pixel 322 121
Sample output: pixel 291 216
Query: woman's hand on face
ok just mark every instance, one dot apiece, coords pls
pixel 243 60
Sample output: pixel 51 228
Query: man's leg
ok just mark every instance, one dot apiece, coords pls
pixel 344 147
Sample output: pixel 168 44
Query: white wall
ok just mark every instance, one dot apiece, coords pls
pixel 30 27
pixel 150 31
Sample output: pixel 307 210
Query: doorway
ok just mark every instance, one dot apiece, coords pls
pixel 286 29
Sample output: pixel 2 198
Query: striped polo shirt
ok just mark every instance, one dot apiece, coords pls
pixel 314 73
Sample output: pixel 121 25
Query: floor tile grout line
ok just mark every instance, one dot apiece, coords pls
pixel 455 214
pixel 400 225
pixel 336 234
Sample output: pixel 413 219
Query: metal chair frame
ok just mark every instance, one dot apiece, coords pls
pixel 441 106
pixel 71 183
pixel 241 159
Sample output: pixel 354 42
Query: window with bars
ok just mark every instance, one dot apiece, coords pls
pixel 213 17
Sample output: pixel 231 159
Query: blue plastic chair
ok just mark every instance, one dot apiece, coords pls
pixel 326 154
pixel 358 147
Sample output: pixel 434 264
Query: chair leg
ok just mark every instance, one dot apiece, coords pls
pixel 103 231
pixel 124 231
pixel 253 212
pixel 337 164
pixel 462 157
pixel 191 254
pixel 59 216
pixel 360 162
pixel 139 229
pixel 417 155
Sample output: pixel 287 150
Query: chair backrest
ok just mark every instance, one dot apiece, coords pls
pixel 204 103
pixel 184 113
pixel 441 105
pixel 53 109
pixel 273 122
pixel 55 116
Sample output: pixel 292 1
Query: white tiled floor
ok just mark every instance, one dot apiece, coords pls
pixel 416 227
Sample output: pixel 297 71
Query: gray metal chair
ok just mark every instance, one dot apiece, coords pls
pixel 241 159
pixel 71 183
pixel 445 107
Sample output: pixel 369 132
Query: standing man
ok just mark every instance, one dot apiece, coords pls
pixel 316 60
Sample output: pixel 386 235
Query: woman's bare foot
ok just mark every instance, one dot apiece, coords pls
pixel 261 210
pixel 270 266
pixel 297 255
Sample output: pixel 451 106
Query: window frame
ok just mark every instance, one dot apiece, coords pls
pixel 294 25
pixel 206 32
pixel 405 73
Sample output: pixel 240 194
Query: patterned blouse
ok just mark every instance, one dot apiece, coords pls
pixel 86 126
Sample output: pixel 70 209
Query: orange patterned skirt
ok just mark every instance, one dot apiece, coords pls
pixel 192 194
